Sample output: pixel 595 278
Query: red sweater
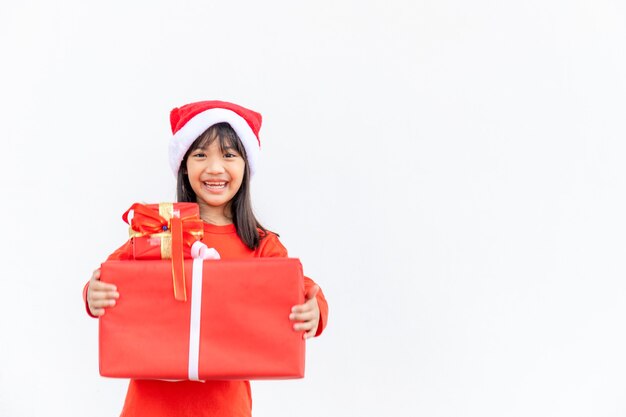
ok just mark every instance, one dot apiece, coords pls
pixel 210 398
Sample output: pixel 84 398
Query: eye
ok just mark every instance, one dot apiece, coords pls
pixel 198 154
pixel 230 154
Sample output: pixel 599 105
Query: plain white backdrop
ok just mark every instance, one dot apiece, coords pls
pixel 451 173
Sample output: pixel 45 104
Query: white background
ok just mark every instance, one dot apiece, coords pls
pixel 450 172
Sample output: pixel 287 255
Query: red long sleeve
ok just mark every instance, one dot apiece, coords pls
pixel 230 247
pixel 271 247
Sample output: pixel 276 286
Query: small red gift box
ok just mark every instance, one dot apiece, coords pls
pixel 151 228
pixel 165 231
pixel 234 325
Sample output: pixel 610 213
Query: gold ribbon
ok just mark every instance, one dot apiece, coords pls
pixel 173 233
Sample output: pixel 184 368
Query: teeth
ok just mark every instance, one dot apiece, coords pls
pixel 215 184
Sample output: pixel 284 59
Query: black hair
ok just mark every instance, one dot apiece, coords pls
pixel 245 222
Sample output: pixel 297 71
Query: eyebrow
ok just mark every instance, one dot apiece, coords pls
pixel 204 148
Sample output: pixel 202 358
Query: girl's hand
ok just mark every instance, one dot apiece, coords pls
pixel 100 295
pixel 307 314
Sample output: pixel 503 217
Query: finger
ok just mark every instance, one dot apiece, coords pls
pixel 102 303
pixel 96 274
pixel 312 292
pixel 102 286
pixel 100 295
pixel 98 312
pixel 102 299
pixel 310 333
pixel 305 325
pixel 310 303
pixel 301 308
pixel 308 306
pixel 304 316
pixel 97 296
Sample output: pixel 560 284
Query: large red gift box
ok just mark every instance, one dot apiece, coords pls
pixel 233 325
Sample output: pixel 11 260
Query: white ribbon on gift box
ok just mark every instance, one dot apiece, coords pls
pixel 199 252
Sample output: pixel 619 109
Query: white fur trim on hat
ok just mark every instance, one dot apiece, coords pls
pixel 186 135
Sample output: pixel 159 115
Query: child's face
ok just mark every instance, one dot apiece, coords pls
pixel 215 175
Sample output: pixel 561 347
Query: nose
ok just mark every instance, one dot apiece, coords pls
pixel 214 166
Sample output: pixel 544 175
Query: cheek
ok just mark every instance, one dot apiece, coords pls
pixel 237 176
pixel 239 170
pixel 192 169
pixel 192 176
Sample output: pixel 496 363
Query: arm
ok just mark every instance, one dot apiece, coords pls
pixel 310 289
pixel 311 316
pixel 98 295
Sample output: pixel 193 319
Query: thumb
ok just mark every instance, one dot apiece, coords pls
pixel 96 275
pixel 312 292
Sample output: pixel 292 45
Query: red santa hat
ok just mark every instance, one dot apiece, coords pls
pixel 191 120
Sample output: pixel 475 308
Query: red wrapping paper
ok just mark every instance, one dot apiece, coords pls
pixel 165 231
pixel 245 331
pixel 157 245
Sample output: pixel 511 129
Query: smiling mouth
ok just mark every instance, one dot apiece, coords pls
pixel 215 185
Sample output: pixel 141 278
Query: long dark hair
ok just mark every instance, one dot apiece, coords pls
pixel 246 224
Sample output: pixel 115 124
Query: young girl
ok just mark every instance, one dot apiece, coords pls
pixel 213 152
